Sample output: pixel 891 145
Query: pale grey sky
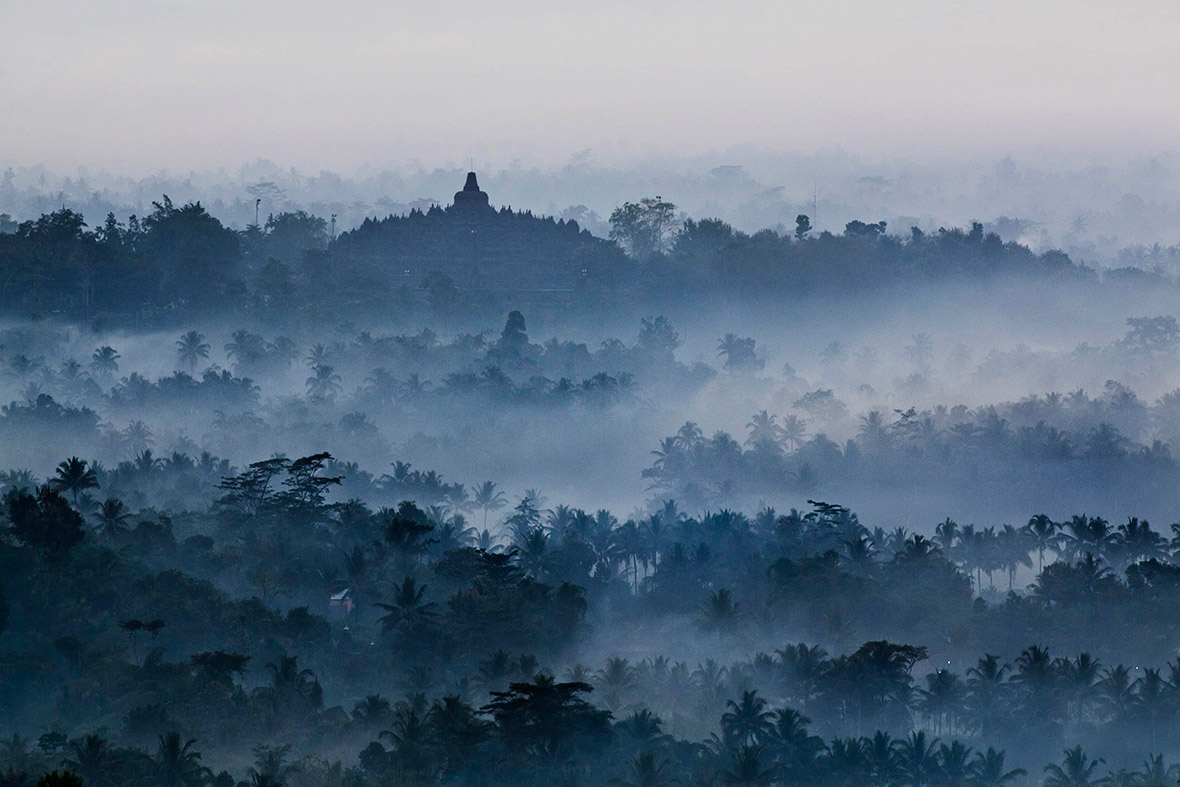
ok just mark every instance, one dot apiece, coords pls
pixel 136 85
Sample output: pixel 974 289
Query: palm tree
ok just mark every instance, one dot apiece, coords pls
pixel 1153 701
pixel 954 765
pixel 945 534
pixel 989 769
pixel 112 518
pixel 646 772
pixel 987 693
pixel 245 347
pixel 793 431
pixel 317 356
pixel 1137 541
pixel 746 769
pixel 324 384
pixel 616 676
pixel 747 720
pixel 1116 698
pixel 873 432
pixel 290 684
pixel 192 348
pixel 489 498
pixel 1012 550
pixel 1075 770
pixel 943 699
pixel 720 612
pixel 372 710
pixel 105 361
pixel 408 609
pixel 92 758
pixel 17 480
pixel 17 753
pixel 1156 774
pixel 763 428
pixel 458 500
pixel 916 758
pixel 270 768
pixel 179 764
pixel 74 475
pixel 921 350
pixel 411 740
pixel 137 437
pixel 1043 532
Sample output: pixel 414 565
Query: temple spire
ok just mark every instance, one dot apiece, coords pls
pixel 471 198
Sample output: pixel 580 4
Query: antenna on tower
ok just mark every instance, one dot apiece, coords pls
pixel 815 204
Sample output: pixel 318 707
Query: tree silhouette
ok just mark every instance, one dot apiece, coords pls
pixel 1075 770
pixel 74 475
pixel 192 348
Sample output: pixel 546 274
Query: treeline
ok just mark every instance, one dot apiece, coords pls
pixel 180 259
pixel 1038 442
pixel 279 614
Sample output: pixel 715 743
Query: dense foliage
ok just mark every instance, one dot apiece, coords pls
pixel 450 262
pixel 277 624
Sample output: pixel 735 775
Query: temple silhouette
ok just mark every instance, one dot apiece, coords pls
pixel 474 243
pixel 471 197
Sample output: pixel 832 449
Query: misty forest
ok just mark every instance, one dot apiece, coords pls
pixel 471 495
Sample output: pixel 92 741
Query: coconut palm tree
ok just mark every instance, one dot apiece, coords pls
pixel 245 348
pixel 324 384
pixel 192 348
pixel 92 758
pixel 1012 551
pixel 137 437
pixel 16 480
pixel 943 698
pixel 75 476
pixel 489 498
pixel 16 752
pixel 372 710
pixel 763 428
pixel 112 518
pixel 408 608
pixel 720 612
pixel 1075 770
pixel 178 764
pixel 917 758
pixel 793 431
pixel 645 771
pixel 746 768
pixel 105 361
pixel 318 355
pixel 987 694
pixel 1155 773
pixel 1043 532
pixel 747 720
pixel 990 772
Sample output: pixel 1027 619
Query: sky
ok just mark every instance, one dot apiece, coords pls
pixel 141 85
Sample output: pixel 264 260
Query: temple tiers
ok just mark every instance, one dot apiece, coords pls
pixel 471 198
pixel 476 245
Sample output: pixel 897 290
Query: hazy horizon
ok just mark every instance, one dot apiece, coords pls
pixel 136 87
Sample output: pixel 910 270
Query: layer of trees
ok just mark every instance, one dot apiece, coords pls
pixel 202 646
pixel 180 259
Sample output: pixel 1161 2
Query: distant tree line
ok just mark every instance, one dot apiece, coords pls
pixel 180 259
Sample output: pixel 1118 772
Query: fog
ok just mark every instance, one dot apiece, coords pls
pixel 1106 209
pixel 713 474
pixel 766 394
